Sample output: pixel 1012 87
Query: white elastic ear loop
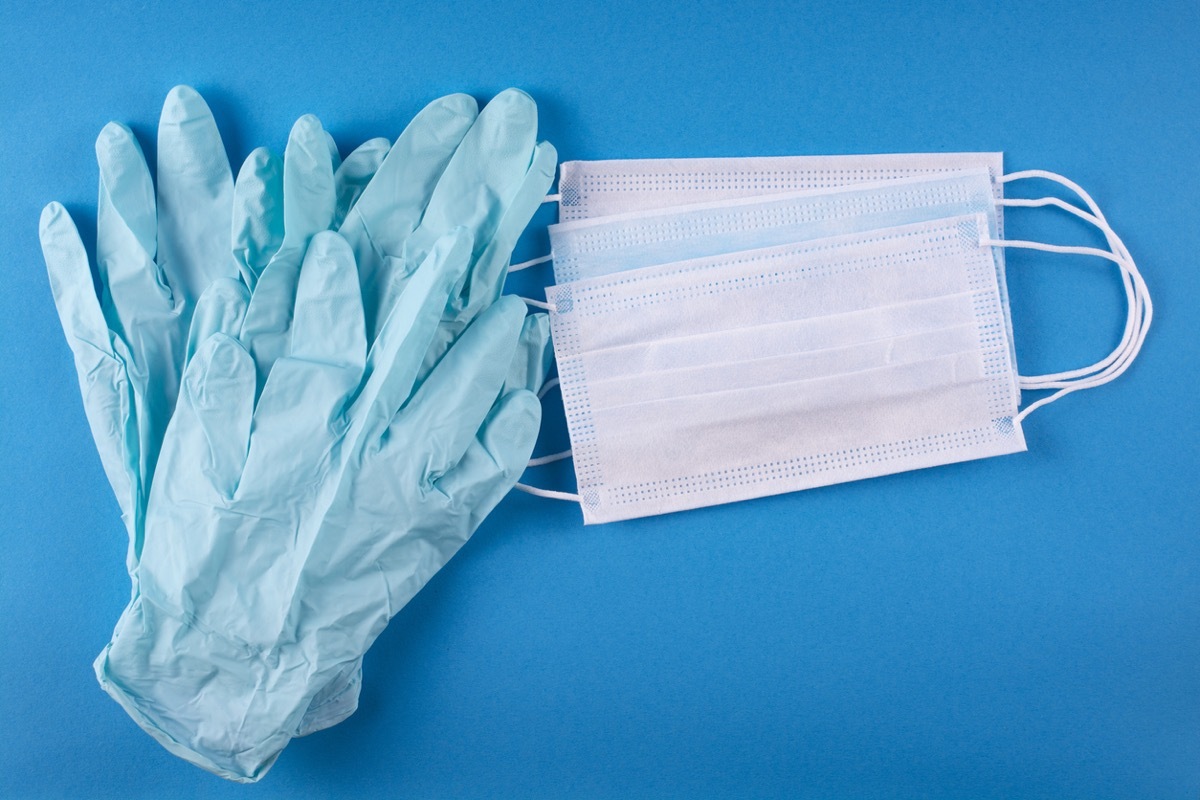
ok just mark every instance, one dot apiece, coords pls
pixel 533 262
pixel 549 494
pixel 1133 298
pixel 529 301
pixel 1140 309
pixel 550 459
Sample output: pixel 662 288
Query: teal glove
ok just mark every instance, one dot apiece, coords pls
pixel 452 166
pixel 165 264
pixel 276 207
pixel 283 533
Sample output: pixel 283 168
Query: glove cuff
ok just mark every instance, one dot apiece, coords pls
pixel 224 706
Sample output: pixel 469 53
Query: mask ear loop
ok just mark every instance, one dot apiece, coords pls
pixel 547 386
pixel 550 459
pixel 539 461
pixel 1137 295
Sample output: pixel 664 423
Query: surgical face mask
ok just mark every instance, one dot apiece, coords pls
pixel 589 189
pixel 760 365
pixel 634 240
pixel 783 368
pixel 607 221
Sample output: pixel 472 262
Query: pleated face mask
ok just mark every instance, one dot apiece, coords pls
pixel 732 350
pixel 603 246
pixel 589 189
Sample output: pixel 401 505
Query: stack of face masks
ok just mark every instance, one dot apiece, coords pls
pixel 732 328
pixel 306 392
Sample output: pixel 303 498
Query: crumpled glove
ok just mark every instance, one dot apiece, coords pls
pixel 452 166
pixel 276 207
pixel 164 262
pixel 282 533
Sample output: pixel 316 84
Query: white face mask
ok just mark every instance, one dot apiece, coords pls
pixel 589 189
pixel 779 369
pixel 602 246
pixel 772 361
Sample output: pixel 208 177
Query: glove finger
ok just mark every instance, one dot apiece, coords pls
pixel 484 174
pixel 487 277
pixel 451 405
pixel 392 204
pixel 220 309
pixel 126 178
pixel 300 413
pixel 71 283
pixel 195 196
pixel 297 422
pixel 531 363
pixel 396 355
pixel 355 173
pixel 308 203
pixel 135 302
pixel 209 435
pixel 267 325
pixel 257 213
pixel 328 324
pixel 102 380
pixel 308 190
pixel 495 459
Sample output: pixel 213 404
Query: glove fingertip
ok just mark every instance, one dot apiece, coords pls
pixel 182 104
pixel 511 430
pixel 63 250
pixel 545 158
pixel 51 217
pixel 512 309
pixel 517 107
pixel 459 104
pixel 115 139
pixel 260 159
pixel 307 145
pixel 220 361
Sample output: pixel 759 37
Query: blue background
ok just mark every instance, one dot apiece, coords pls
pixel 1026 626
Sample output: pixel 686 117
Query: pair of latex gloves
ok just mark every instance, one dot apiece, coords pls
pixel 306 391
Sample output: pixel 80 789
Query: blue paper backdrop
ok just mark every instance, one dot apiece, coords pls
pixel 1026 626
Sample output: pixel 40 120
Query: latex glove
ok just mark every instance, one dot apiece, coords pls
pixel 158 254
pixel 279 204
pixel 452 166
pixel 282 534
